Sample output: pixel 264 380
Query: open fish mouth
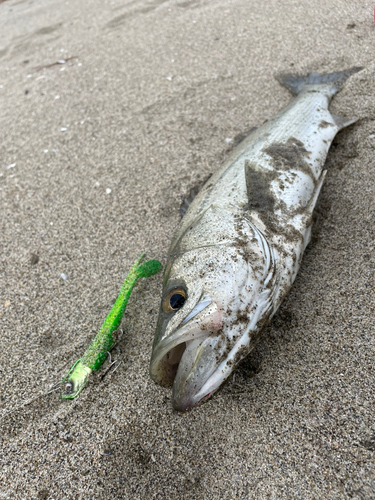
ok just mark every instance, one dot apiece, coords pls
pixel 187 358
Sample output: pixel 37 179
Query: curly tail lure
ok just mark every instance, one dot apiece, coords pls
pixel 95 355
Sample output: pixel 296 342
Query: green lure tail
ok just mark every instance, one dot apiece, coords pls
pixel 94 357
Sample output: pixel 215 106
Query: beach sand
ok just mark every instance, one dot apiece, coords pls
pixel 95 155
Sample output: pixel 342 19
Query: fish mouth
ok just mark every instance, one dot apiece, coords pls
pixel 187 358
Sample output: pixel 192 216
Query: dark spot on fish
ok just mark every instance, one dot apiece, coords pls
pixel 284 156
pixel 288 232
pixel 262 200
pixel 292 154
pixel 350 26
pixel 242 245
pixel 242 317
pixel 258 184
pixel 324 124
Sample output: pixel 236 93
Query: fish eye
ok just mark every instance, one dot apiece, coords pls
pixel 174 300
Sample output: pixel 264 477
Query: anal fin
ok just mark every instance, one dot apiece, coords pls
pixel 310 209
pixel 311 205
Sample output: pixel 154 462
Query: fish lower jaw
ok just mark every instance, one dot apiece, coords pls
pixel 197 366
pixel 165 366
pixel 187 400
pixel 198 386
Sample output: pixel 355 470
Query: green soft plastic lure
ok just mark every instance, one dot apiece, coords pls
pixel 94 357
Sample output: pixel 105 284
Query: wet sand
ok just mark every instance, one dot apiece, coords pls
pixel 95 155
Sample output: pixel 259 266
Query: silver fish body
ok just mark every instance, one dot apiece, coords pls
pixel 238 249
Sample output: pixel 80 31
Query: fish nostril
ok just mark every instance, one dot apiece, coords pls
pixel 173 360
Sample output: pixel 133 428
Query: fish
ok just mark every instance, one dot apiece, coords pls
pixel 237 250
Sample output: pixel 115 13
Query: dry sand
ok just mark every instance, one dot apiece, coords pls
pixel 145 106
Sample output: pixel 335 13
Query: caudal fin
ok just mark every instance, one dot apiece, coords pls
pixel 297 83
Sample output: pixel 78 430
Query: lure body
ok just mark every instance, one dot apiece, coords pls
pixel 98 351
pixel 237 251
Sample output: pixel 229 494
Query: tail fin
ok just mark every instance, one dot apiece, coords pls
pixel 297 83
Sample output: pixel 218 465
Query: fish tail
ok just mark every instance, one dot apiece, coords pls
pixel 298 83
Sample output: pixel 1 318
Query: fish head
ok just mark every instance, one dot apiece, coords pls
pixel 212 297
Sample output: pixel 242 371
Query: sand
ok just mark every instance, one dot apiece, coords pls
pixel 95 155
